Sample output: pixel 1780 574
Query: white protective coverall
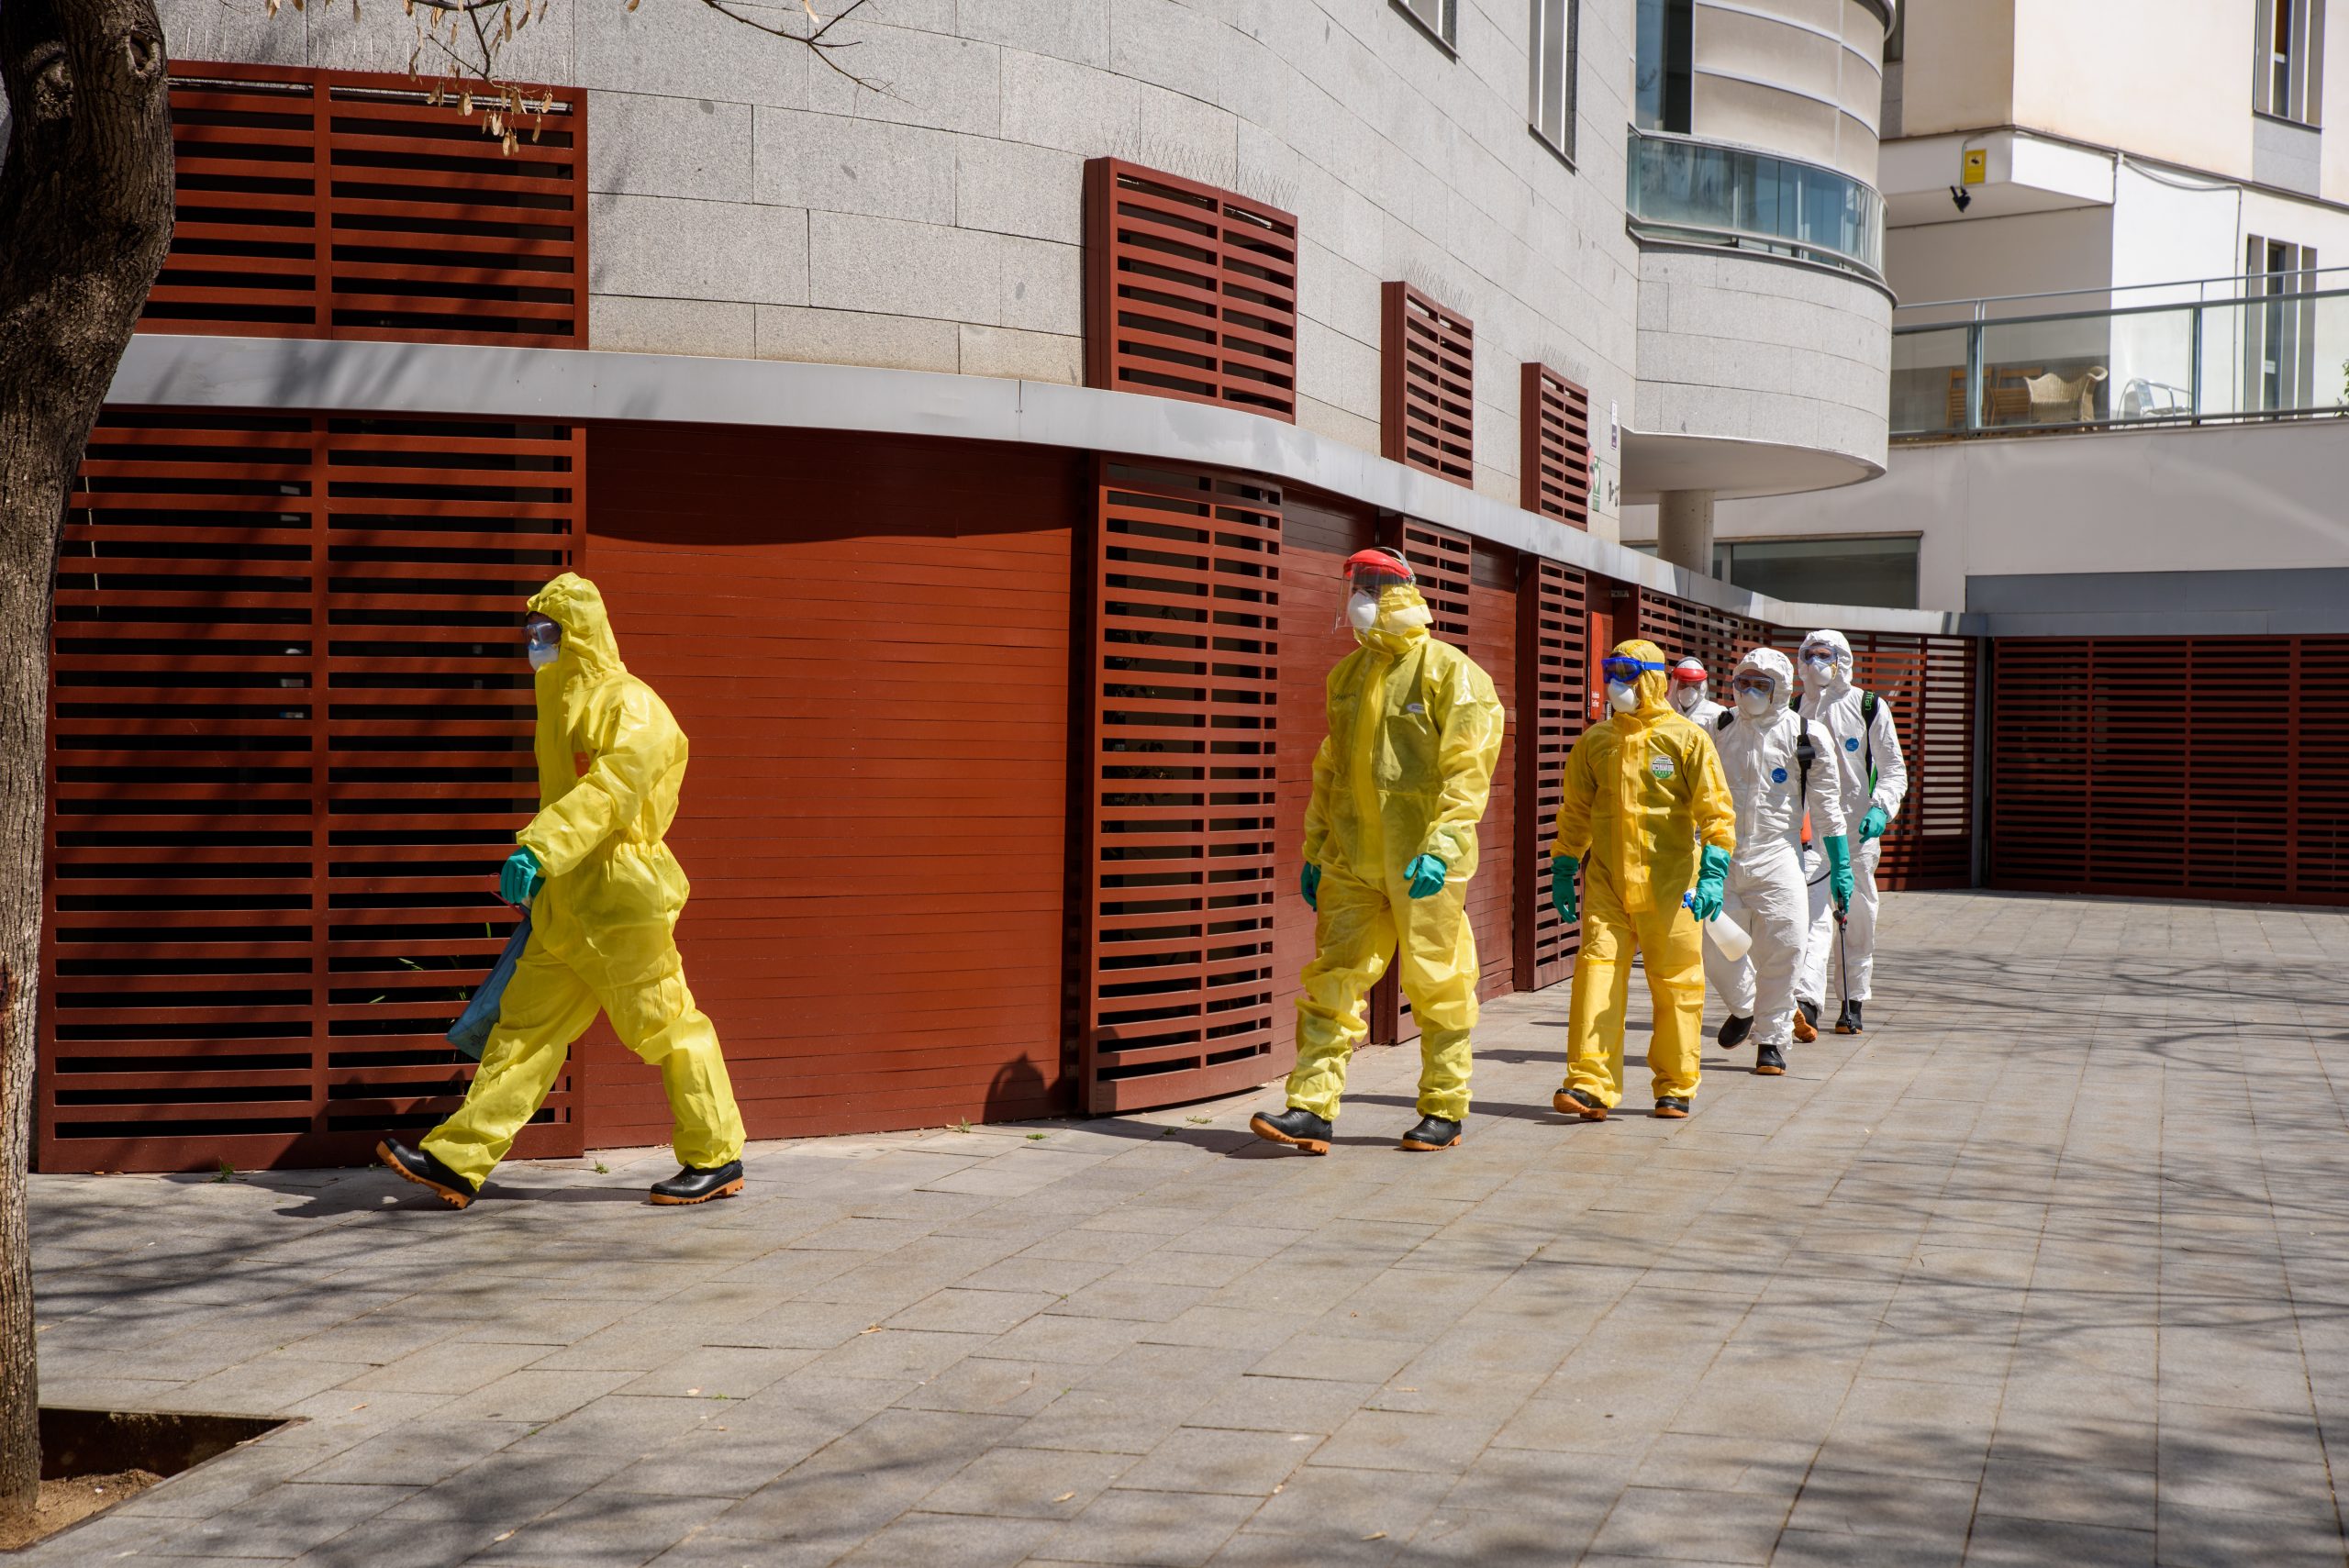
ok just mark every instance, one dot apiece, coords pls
pixel 1833 706
pixel 1766 893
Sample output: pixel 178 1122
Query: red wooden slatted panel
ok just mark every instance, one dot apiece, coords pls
pixel 1427 385
pixel 2319 771
pixel 287 757
pixel 875 818
pixel 344 204
pixel 1442 560
pixel 1683 629
pixel 1554 434
pixel 1493 910
pixel 2135 765
pixel 1930 681
pixel 1190 291
pixel 1183 785
pixel 1554 659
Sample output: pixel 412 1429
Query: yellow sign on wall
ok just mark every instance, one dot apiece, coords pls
pixel 1977 165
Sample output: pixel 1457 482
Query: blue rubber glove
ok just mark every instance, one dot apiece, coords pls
pixel 1705 898
pixel 1872 824
pixel 1562 897
pixel 1839 870
pixel 1427 875
pixel 1308 882
pixel 521 877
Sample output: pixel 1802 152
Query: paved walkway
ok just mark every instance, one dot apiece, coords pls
pixel 2049 1267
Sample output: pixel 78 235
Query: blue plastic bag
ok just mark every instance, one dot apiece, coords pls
pixel 470 1031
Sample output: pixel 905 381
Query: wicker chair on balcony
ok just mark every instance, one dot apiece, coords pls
pixel 2058 399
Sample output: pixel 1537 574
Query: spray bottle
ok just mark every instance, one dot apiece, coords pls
pixel 1734 941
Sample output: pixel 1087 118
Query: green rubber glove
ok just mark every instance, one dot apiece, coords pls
pixel 1562 897
pixel 1872 824
pixel 1426 872
pixel 520 878
pixel 1308 882
pixel 1705 899
pixel 1839 870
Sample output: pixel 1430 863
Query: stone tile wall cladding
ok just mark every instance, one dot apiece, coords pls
pixel 747 201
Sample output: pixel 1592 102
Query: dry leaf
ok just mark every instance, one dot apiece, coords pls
pixel 1376 1535
pixel 508 1536
pixel 1064 1497
pixel 809 6
pixel 361 1406
pixel 693 1391
pixel 870 1328
pixel 465 104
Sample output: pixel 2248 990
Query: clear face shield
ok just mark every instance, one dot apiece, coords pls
pixel 1369 576
pixel 1687 686
pixel 543 640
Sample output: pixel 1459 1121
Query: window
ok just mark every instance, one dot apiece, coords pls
pixel 1427 385
pixel 2279 325
pixel 1549 44
pixel 2288 60
pixel 1661 65
pixel 1440 19
pixel 1824 570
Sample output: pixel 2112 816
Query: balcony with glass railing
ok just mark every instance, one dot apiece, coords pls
pixel 1690 190
pixel 2269 346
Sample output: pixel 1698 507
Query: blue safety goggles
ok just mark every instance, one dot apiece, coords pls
pixel 1621 667
pixel 543 634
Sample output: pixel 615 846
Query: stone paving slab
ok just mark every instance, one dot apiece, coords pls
pixel 2048 1267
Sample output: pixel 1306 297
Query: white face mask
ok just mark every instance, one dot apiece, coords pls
pixel 1361 611
pixel 1625 698
pixel 1756 704
pixel 1818 671
pixel 543 657
pixel 1686 698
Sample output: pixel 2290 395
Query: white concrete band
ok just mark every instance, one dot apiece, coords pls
pixel 443 379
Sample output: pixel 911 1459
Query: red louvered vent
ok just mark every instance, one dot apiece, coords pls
pixel 2134 765
pixel 290 743
pixel 1183 786
pixel 1553 658
pixel 1441 560
pixel 1190 291
pixel 1930 683
pixel 1428 394
pixel 344 204
pixel 1553 464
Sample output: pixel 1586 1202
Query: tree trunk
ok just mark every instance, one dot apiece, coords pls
pixel 85 213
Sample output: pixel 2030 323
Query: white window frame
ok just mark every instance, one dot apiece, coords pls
pixel 1440 19
pixel 1552 64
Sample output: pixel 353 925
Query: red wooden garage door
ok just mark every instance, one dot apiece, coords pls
pixel 2174 767
pixel 866 640
pixel 289 746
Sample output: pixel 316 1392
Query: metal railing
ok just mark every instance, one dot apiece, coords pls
pixel 1703 193
pixel 2266 346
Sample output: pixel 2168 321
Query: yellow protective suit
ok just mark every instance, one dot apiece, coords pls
pixel 602 927
pixel 1414 730
pixel 1643 789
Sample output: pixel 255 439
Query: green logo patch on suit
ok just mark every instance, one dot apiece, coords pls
pixel 1660 764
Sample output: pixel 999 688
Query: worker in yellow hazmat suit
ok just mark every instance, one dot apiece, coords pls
pixel 1643 789
pixel 604 895
pixel 1399 785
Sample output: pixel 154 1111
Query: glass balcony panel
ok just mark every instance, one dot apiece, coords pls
pixel 1928 382
pixel 1704 193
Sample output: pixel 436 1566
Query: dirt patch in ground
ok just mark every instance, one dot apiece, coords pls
pixel 70 1500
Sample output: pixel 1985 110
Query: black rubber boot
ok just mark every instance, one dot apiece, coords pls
pixel 1806 1021
pixel 1672 1107
pixel 1733 1032
pixel 1770 1060
pixel 1297 1126
pixel 692 1184
pixel 425 1171
pixel 1579 1102
pixel 1434 1132
pixel 1848 1020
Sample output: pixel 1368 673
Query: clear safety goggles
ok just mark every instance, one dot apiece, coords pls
pixel 1818 653
pixel 1754 681
pixel 542 636
pixel 1621 668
